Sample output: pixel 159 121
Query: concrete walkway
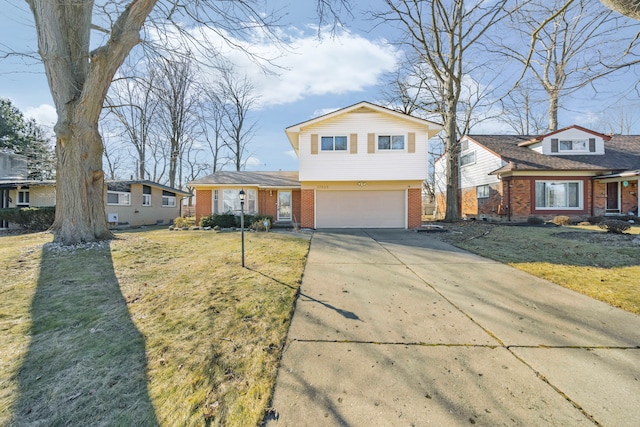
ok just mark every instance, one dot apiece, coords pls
pixel 395 328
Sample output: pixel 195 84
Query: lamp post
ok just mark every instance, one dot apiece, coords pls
pixel 241 195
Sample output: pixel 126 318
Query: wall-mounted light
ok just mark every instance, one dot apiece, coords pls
pixel 362 183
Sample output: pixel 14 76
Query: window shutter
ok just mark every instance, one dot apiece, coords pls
pixel 411 148
pixel 371 142
pixel 592 145
pixel 554 145
pixel 314 143
pixel 353 143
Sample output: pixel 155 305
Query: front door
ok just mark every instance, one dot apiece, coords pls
pixel 613 202
pixel 284 205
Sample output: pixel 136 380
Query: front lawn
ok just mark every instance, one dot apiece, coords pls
pixel 602 265
pixel 155 328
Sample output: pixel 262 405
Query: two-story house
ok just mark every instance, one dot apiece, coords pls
pixel 359 167
pixel 573 171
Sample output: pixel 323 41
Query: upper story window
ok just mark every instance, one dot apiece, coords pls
pixel 390 142
pixel 118 198
pixel 168 199
pixel 573 145
pixel 467 159
pixel 146 195
pixel 23 198
pixel 334 143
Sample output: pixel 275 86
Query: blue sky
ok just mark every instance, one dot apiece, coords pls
pixel 315 77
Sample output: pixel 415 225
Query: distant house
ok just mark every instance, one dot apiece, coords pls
pixel 360 167
pixel 133 202
pixel 573 171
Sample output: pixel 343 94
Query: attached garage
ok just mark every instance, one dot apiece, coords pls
pixel 361 209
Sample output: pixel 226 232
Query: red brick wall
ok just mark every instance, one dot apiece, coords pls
pixel 203 204
pixel 414 214
pixel 296 205
pixel 307 211
pixel 469 205
pixel 629 201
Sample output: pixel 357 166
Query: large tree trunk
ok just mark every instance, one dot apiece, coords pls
pixel 452 151
pixel 79 80
pixel 553 110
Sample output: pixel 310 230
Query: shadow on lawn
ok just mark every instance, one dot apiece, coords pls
pixel 86 362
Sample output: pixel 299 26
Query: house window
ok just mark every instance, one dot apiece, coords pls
pixel 118 198
pixel 168 199
pixel 231 201
pixel 215 201
pixel 334 143
pixel 558 195
pixel 468 158
pixel 391 142
pixel 146 195
pixel 464 145
pixel 482 191
pixel 23 198
pixel 573 145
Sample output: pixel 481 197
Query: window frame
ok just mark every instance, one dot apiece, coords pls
pixel 333 144
pixel 485 194
pixel 567 195
pixel 585 148
pixel 468 154
pixel 169 199
pixel 391 142
pixel 232 196
pixel 120 195
pixel 23 194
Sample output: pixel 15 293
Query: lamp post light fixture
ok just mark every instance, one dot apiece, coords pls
pixel 242 195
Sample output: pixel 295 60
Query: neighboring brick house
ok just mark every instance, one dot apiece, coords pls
pixel 573 171
pixel 360 167
pixel 131 203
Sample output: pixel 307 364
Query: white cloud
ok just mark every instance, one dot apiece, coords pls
pixel 310 66
pixel 44 114
pixel 252 163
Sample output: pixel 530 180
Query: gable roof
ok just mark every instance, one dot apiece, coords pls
pixel 537 139
pixel 250 179
pixel 622 152
pixel 293 131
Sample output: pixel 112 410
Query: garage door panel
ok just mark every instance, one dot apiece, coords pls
pixel 360 209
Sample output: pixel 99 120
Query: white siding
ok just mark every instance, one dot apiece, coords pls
pixel 440 175
pixel 477 173
pixel 344 166
pixel 572 134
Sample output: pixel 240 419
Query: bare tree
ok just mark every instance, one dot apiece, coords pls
pixel 630 8
pixel 521 111
pixel 79 78
pixel 572 45
pixel 238 97
pixel 442 33
pixel 178 109
pixel 133 102
pixel 212 118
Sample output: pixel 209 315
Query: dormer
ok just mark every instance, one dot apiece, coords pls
pixel 570 141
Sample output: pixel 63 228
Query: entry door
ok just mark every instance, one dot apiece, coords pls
pixel 284 205
pixel 613 203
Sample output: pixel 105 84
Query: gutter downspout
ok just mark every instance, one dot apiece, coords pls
pixel 509 199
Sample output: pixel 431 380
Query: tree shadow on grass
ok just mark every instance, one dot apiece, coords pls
pixel 86 362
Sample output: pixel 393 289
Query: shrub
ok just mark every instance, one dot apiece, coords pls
pixel 226 220
pixel 561 220
pixel 615 226
pixel 595 220
pixel 184 222
pixel 536 220
pixel 32 219
pixel 259 223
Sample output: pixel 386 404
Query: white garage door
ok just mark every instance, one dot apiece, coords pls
pixel 360 209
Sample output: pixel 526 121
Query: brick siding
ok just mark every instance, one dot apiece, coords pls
pixel 414 214
pixel 203 204
pixel 307 219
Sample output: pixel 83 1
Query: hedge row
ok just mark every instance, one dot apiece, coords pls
pixel 228 220
pixel 32 219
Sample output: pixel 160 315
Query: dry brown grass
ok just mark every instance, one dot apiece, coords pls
pixel 588 260
pixel 156 328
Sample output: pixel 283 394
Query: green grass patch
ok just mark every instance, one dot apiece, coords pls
pixel 588 260
pixel 156 328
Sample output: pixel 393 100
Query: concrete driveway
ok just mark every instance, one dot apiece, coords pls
pixel 395 328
